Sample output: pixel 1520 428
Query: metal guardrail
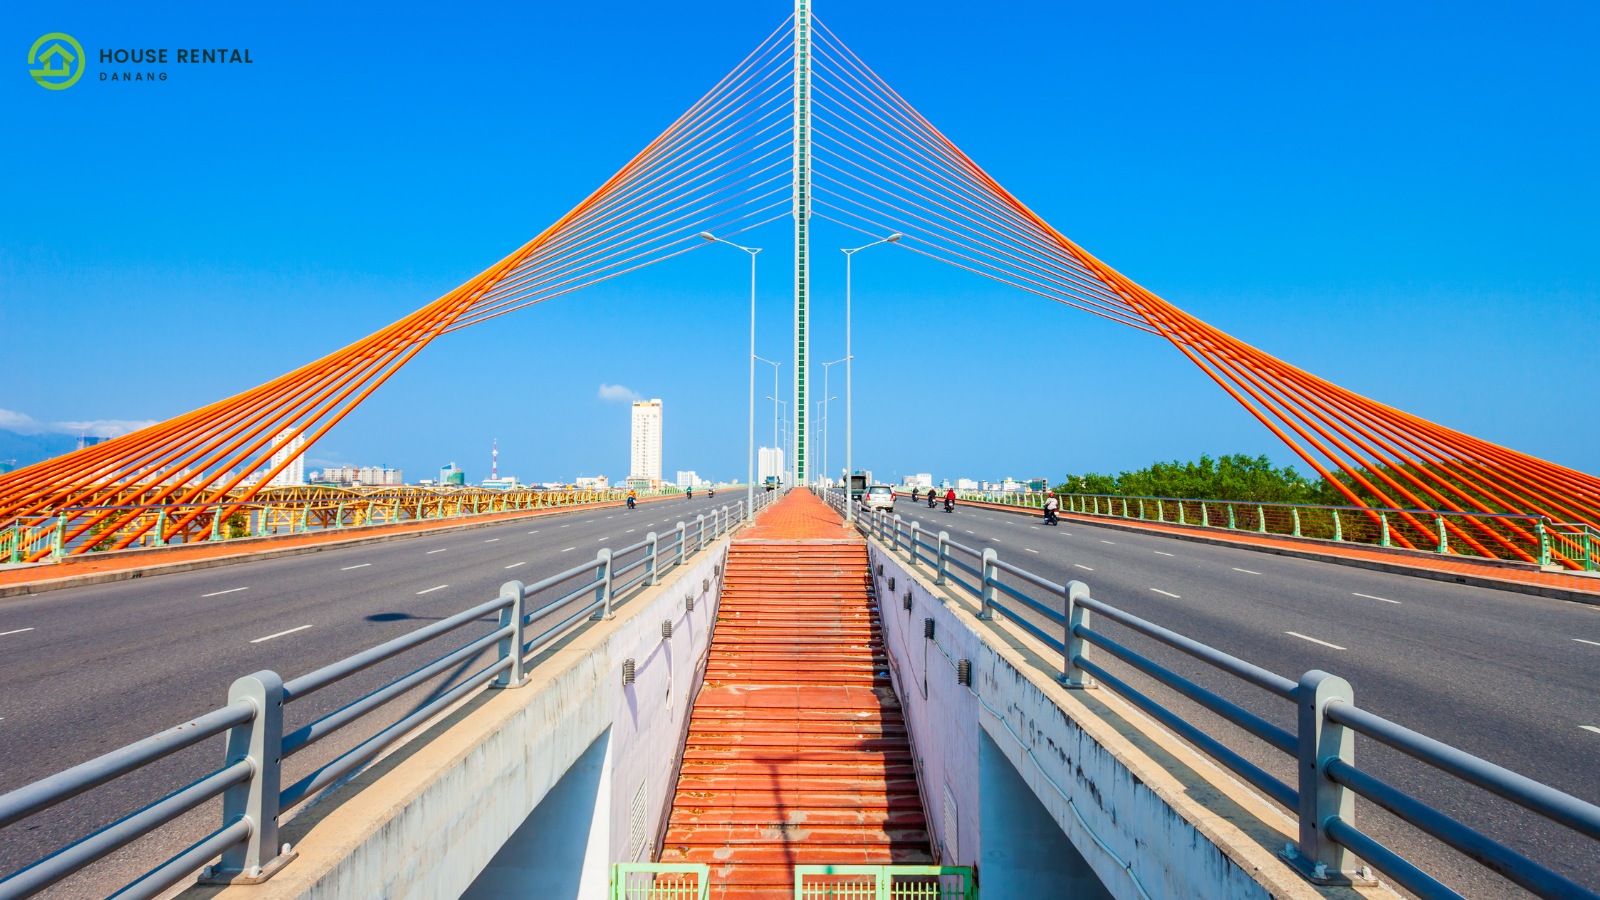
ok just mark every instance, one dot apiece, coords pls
pixel 47 538
pixel 249 780
pixel 1323 744
pixel 1516 536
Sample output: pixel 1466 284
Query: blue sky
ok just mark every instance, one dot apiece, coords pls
pixel 1401 198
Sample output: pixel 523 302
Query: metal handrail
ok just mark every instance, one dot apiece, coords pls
pixel 1324 761
pixel 249 781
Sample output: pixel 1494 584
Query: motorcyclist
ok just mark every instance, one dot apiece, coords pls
pixel 632 497
pixel 711 492
pixel 913 494
pixel 950 500
pixel 933 497
pixel 1051 504
pixel 689 492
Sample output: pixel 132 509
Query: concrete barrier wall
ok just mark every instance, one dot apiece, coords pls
pixel 1137 814
pixel 431 824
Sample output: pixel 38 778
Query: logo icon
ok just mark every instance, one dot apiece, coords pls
pixel 60 60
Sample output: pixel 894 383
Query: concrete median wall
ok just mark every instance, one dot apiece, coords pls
pixel 1051 792
pixel 462 806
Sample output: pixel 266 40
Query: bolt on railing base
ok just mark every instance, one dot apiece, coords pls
pixel 256 875
pixel 1318 874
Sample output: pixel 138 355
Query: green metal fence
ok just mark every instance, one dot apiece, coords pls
pixel 884 883
pixel 1505 536
pixel 660 881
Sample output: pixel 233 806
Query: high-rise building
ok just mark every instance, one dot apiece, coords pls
pixel 452 474
pixel 88 440
pixel 688 479
pixel 646 457
pixel 769 464
pixel 285 447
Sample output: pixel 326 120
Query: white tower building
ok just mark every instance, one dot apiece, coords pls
pixel 645 464
pixel 291 448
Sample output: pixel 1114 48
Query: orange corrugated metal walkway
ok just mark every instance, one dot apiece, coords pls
pixel 797 752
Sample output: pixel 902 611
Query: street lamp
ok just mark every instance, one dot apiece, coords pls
pixel 825 367
pixel 750 471
pixel 823 415
pixel 775 366
pixel 849 411
pixel 780 403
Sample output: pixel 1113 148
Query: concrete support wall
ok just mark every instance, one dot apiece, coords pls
pixel 430 825
pixel 1016 754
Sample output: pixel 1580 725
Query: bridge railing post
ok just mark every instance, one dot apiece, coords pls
pixel 1077 618
pixel 699 532
pixel 602 590
pixel 916 528
pixel 942 564
pixel 1544 542
pixel 683 543
pixel 895 524
pixel 1318 857
pixel 260 741
pixel 651 563
pixel 991 574
pixel 510 647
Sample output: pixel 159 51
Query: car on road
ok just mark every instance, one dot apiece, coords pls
pixel 879 496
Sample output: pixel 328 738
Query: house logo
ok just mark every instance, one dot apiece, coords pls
pixel 57 61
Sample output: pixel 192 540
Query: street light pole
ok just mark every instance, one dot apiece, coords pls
pixel 849 409
pixel 775 367
pixel 826 367
pixel 750 459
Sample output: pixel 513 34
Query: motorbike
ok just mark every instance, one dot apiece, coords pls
pixel 710 494
pixel 931 500
pixel 949 505
pixel 630 503
pixel 689 494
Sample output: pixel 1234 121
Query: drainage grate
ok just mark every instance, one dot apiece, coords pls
pixel 636 816
pixel 952 822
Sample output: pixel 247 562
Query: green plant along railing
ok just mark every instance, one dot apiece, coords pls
pixel 1503 536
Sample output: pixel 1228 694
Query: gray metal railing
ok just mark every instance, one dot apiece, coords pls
pixel 1322 745
pixel 248 781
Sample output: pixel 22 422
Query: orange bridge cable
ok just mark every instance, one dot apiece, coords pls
pixel 1025 265
pixel 708 193
pixel 1041 263
pixel 820 203
pixel 690 244
pixel 1024 232
pixel 697 220
pixel 909 227
pixel 1229 355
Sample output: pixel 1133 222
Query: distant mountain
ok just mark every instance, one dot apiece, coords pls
pixel 28 449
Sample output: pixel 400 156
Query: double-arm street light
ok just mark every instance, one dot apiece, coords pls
pixel 825 368
pixel 849 412
pixel 775 366
pixel 822 416
pixel 750 476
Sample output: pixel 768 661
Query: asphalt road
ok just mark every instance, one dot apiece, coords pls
pixel 1508 677
pixel 86 670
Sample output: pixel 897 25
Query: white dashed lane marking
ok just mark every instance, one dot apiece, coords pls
pixel 440 550
pixel 1379 599
pixel 1030 549
pixel 491 540
pixel 1083 567
pixel 1590 728
pixel 18 631
pixel 279 634
pixel 569 548
pixel 515 564
pixel 1166 593
pixel 1246 571
pixel 1313 640
pixel 348 568
pixel 228 591
pixel 1161 553
pixel 1591 643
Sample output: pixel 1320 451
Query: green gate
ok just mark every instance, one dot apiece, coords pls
pixel 884 883
pixel 661 881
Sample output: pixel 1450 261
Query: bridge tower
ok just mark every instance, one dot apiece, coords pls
pixel 802 239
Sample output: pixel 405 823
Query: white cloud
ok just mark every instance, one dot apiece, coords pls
pixel 616 393
pixel 26 424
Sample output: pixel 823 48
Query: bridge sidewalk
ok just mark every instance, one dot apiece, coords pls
pixel 1457 569
pixel 797 750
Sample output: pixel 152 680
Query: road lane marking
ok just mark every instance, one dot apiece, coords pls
pixel 1161 552
pixel 568 525
pixel 1034 527
pixel 651 525
pixel 611 517
pixel 348 568
pixel 629 531
pixel 970 531
pixel 1030 549
pixel 491 540
pixel 220 593
pixel 1370 597
pixel 1107 542
pixel 1246 571
pixel 994 540
pixel 1081 566
pixel 1590 728
pixel 515 564
pixel 1313 640
pixel 280 634
pixel 569 548
pixel 18 631
pixel 1166 593
pixel 604 537
pixel 432 589
pixel 432 552
pixel 535 531
pixel 1582 641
